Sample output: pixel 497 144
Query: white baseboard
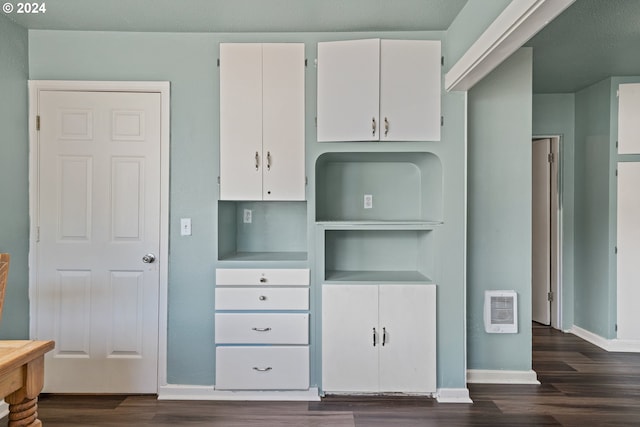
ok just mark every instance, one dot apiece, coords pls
pixel 628 346
pixel 191 392
pixel 4 409
pixel 482 376
pixel 453 395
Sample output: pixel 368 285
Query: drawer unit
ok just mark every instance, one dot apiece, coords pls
pixel 262 368
pixel 262 299
pixel 261 277
pixel 262 328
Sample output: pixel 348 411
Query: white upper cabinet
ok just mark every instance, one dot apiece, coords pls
pixel 628 123
pixel 262 121
pixel 379 90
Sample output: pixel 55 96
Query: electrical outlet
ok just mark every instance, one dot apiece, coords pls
pixel 185 226
pixel 247 217
pixel 368 201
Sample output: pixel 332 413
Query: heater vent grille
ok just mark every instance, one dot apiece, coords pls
pixel 501 311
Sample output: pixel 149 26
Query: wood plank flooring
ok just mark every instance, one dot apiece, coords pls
pixel 581 385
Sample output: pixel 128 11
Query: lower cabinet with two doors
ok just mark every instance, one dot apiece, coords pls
pixel 262 329
pixel 379 338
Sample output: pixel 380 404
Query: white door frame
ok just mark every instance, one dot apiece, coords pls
pixel 163 88
pixel 556 285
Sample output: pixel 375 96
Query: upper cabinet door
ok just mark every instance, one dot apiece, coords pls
pixel 628 113
pixel 348 90
pixel 379 90
pixel 283 135
pixel 262 136
pixel 241 121
pixel 410 90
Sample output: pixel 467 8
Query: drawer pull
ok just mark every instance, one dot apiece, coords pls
pixel 262 297
pixel 261 329
pixel 263 280
pixel 267 369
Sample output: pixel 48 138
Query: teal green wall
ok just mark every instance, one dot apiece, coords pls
pixel 499 209
pixel 188 61
pixel 14 176
pixel 593 297
pixel 554 114
pixel 468 25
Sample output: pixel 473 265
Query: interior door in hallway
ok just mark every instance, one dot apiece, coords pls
pixel 541 231
pixel 97 284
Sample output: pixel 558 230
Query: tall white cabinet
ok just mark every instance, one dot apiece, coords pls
pixel 379 338
pixel 262 121
pixel 379 90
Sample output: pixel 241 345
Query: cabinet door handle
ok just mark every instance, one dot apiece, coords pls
pixel 268 160
pixel 257 160
pixel 261 329
pixel 263 280
pixel 386 126
pixel 374 126
pixel 267 369
pixel 374 337
pixel 384 336
pixel 262 298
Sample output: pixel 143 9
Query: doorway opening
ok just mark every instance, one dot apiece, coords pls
pixel 545 229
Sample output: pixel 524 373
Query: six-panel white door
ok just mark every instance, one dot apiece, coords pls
pixel 98 216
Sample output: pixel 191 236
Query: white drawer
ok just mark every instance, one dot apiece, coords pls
pixel 262 298
pixel 262 328
pixel 268 276
pixel 262 368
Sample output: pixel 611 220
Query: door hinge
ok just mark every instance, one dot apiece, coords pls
pixel 306 63
pixel 441 120
pixel 615 250
pixel 616 144
pixel 550 157
pixel 218 62
pixel 316 121
pixel 38 122
pixel 37 234
pixel 550 296
pixel 306 181
pixel 616 172
pixel 616 327
pixel 442 61
pixel 218 180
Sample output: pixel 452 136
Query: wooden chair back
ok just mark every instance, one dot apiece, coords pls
pixel 4 273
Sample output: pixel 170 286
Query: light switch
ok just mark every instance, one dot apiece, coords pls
pixel 185 226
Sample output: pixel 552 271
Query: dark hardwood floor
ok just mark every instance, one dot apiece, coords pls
pixel 582 385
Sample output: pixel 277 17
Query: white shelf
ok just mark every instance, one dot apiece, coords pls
pixel 264 256
pixel 341 276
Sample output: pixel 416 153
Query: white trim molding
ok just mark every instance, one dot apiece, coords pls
pixel 485 376
pixel 453 395
pixel 517 23
pixel 614 345
pixel 164 89
pixel 194 392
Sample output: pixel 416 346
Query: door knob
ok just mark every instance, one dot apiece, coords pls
pixel 148 258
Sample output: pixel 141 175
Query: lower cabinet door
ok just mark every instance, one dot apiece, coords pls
pixel 350 338
pixel 262 368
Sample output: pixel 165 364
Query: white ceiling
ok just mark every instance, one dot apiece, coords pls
pixel 591 40
pixel 244 15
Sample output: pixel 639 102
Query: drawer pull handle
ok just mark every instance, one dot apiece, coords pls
pixel 263 280
pixel 262 298
pixel 261 329
pixel 267 369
